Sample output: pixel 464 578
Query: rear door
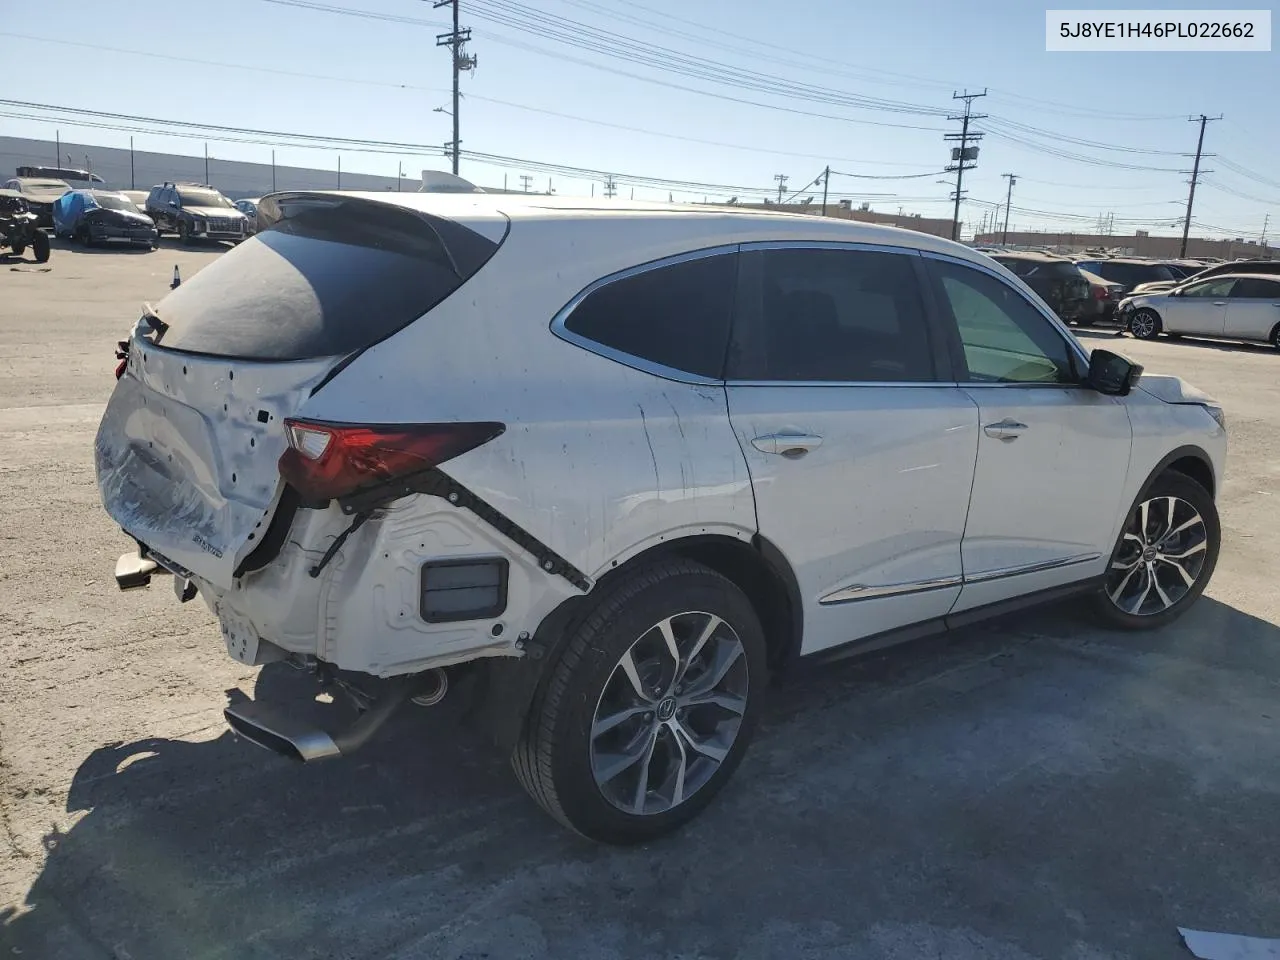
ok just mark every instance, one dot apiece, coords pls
pixel 1253 309
pixel 1200 308
pixel 187 450
pixel 1052 455
pixel 861 452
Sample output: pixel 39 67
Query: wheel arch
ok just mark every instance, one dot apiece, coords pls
pixel 1190 461
pixel 757 567
pixel 1274 337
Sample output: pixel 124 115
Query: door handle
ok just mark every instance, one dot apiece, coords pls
pixel 792 445
pixel 1219 303
pixel 1004 429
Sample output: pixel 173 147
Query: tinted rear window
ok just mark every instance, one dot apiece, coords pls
pixel 676 315
pixel 330 277
pixel 1132 274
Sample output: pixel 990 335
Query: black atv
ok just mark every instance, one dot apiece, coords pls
pixel 18 228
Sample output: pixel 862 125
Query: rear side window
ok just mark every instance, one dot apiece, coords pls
pixel 818 314
pixel 676 315
pixel 1251 288
pixel 326 277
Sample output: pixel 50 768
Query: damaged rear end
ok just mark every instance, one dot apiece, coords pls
pixel 201 456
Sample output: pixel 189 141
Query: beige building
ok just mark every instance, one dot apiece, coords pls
pixel 843 210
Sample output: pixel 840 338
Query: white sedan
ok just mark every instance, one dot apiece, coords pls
pixel 1236 306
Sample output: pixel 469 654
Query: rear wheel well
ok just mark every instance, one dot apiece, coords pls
pixel 1275 335
pixel 1196 469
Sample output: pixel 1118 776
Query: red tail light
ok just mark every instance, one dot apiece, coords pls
pixel 327 460
pixel 1101 293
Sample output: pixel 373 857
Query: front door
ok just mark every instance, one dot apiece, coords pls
pixel 1052 454
pixel 1199 309
pixel 1253 309
pixel 861 452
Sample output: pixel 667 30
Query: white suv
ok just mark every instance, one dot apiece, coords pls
pixel 616 465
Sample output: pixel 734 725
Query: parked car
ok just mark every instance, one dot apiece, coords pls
pixel 611 468
pixel 1104 296
pixel 250 210
pixel 1127 271
pixel 1215 270
pixel 138 198
pixel 1055 279
pixel 19 227
pixel 40 193
pixel 195 211
pixel 98 216
pixel 74 177
pixel 1235 306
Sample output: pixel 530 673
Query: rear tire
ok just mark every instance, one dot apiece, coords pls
pixel 620 745
pixel 1275 336
pixel 1159 568
pixel 40 247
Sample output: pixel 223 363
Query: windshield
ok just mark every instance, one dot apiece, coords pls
pixel 203 198
pixel 116 203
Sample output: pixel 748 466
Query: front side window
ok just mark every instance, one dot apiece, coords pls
pixel 1004 338
pixel 823 314
pixel 676 315
pixel 1211 288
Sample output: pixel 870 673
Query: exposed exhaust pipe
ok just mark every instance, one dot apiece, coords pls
pixel 272 728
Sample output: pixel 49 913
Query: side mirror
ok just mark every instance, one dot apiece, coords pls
pixel 1111 373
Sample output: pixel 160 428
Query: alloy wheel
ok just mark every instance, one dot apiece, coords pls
pixel 1160 557
pixel 1143 325
pixel 669 713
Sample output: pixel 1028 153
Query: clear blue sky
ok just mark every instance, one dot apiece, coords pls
pixel 911 52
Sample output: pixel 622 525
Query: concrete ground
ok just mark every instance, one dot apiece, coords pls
pixel 1035 789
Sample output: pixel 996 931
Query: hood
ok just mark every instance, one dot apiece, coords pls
pixel 214 211
pixel 1154 286
pixel 102 213
pixel 1173 390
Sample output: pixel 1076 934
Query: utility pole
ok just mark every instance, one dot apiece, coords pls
pixel 525 180
pixel 339 171
pixel 1008 202
pixel 962 155
pixel 1265 220
pixel 399 175
pixel 133 185
pixel 826 182
pixel 455 40
pixel 206 163
pixel 57 148
pixel 1195 175
pixel 782 179
pixel 610 186
pixel 273 171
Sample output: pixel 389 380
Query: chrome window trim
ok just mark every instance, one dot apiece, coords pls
pixel 618 356
pixel 854 245
pixel 1025 568
pixel 858 591
pixel 1073 345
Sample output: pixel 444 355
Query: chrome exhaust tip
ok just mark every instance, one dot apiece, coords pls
pixel 436 685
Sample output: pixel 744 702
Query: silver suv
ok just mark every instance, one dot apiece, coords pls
pixel 614 466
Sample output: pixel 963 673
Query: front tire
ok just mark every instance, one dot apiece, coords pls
pixel 648 708
pixel 1165 555
pixel 1145 324
pixel 184 233
pixel 1275 336
pixel 40 247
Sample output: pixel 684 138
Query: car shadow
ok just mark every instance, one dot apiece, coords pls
pixel 116 246
pixel 886 790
